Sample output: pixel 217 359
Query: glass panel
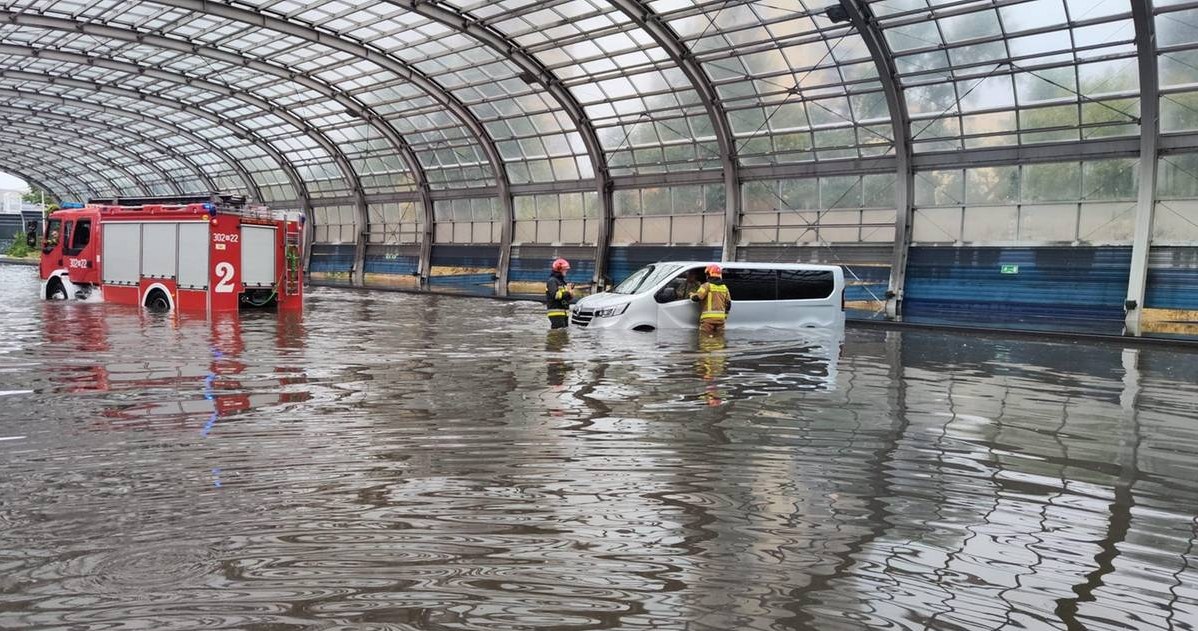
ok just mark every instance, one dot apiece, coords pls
pixel 1052 182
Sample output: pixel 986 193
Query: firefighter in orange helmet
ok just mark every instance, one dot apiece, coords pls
pixel 716 301
pixel 558 295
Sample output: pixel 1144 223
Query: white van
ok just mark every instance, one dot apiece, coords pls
pixel 785 295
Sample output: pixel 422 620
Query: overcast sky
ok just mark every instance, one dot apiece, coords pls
pixel 9 182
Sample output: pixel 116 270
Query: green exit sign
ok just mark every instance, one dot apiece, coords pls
pixel 1010 269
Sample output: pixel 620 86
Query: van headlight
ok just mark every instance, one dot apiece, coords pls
pixel 611 311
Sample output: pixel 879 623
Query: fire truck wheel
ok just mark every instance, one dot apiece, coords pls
pixel 157 302
pixel 55 290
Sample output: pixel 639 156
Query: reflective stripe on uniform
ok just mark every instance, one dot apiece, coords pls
pixel 557 312
pixel 561 293
pixel 708 312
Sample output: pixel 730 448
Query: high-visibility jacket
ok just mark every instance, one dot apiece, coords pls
pixel 716 300
pixel 557 296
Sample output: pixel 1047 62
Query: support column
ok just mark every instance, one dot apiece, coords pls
pixel 507 213
pixel 603 242
pixel 900 122
pixel 1137 280
pixel 425 266
pixel 363 237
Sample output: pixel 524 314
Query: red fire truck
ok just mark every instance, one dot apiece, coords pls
pixel 198 253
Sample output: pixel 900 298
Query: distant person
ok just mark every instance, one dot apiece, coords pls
pixel 716 301
pixel 31 234
pixel 558 295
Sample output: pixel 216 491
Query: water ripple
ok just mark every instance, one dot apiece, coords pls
pixel 400 462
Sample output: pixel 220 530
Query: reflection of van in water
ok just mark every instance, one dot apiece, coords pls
pixel 789 295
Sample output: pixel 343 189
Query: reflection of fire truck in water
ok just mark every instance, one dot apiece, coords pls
pixel 198 253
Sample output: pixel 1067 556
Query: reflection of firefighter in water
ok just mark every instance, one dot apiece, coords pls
pixel 555 368
pixel 711 366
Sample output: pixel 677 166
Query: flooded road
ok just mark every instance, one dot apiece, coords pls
pixel 412 462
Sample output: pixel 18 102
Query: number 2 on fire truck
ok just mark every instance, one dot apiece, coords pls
pixel 225 271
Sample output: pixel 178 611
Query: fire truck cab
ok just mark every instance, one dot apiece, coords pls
pixel 198 253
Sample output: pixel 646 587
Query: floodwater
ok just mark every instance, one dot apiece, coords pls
pixel 414 462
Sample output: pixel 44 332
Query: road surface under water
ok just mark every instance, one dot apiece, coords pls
pixel 397 461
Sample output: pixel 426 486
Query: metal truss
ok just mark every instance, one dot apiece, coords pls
pixel 55 132
pixel 33 114
pixel 642 15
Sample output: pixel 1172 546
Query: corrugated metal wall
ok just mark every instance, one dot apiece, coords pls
pixel 401 260
pixel 530 266
pixel 464 268
pixel 1172 278
pixel 332 258
pixel 1073 282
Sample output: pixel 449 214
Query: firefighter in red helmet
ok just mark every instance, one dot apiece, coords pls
pixel 558 295
pixel 716 301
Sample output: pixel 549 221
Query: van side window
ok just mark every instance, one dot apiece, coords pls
pixel 751 284
pixel 80 237
pixel 805 284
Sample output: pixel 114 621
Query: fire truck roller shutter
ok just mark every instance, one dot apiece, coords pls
pixel 120 262
pixel 159 249
pixel 193 256
pixel 258 251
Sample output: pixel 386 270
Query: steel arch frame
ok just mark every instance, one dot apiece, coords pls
pixel 348 173
pixel 32 114
pixel 525 61
pixel 251 185
pixel 351 103
pixel 900 121
pixel 236 129
pixel 38 182
pixel 102 168
pixel 54 132
pixel 1150 141
pixel 45 149
pixel 649 21
pixel 63 175
pixel 402 69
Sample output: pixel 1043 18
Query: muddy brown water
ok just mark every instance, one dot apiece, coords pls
pixel 417 462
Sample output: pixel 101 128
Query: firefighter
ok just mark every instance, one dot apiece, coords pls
pixel 558 295
pixel 716 301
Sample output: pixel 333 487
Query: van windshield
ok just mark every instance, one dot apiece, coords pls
pixel 646 278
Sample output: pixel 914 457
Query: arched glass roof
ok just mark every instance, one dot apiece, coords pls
pixel 346 102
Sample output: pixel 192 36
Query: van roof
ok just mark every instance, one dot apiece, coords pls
pixel 753 265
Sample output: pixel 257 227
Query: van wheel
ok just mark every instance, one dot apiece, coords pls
pixel 644 328
pixel 157 302
pixel 55 290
